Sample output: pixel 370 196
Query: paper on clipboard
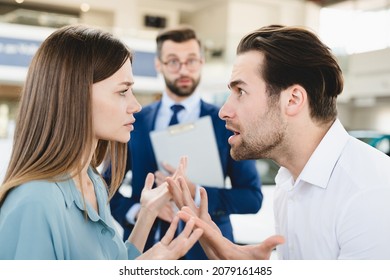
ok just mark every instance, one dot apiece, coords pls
pixel 196 141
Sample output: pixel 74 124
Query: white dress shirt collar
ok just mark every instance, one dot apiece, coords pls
pixel 189 103
pixel 319 167
pixel 190 113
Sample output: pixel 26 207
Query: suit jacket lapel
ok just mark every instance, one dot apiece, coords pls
pixel 204 108
pixel 151 116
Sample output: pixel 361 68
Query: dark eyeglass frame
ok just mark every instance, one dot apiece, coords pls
pixel 174 65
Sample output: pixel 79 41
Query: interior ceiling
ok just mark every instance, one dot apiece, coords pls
pixel 7 6
pixel 39 14
pixel 56 13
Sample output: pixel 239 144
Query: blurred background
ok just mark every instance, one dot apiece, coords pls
pixel 357 31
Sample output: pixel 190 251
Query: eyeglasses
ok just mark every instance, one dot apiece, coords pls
pixel 174 65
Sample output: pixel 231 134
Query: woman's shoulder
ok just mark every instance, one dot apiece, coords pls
pixel 36 192
pixel 34 203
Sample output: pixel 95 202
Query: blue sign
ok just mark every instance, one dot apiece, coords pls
pixel 19 52
pixel 143 64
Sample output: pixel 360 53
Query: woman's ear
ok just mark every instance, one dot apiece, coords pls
pixel 295 99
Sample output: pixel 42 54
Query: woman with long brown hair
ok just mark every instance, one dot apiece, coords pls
pixel 76 110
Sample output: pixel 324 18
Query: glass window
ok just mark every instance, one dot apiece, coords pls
pixel 355 31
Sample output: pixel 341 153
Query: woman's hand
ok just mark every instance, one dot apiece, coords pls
pixel 182 197
pixel 153 199
pixel 176 173
pixel 172 249
pixel 154 202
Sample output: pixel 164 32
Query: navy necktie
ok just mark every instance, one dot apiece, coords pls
pixel 175 109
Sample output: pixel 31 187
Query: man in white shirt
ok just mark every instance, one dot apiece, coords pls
pixel 332 199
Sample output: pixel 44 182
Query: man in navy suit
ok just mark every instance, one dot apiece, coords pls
pixel 179 60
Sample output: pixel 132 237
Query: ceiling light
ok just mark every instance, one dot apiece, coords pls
pixel 84 7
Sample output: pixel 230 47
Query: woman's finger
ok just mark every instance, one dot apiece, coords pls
pixel 181 169
pixel 149 181
pixel 169 235
pixel 188 228
pixel 176 192
pixel 186 194
pixel 204 204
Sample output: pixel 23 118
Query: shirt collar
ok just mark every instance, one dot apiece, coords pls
pixel 321 163
pixel 190 103
pixel 66 185
pixel 72 194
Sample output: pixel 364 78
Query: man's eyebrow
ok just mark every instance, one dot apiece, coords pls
pixel 171 55
pixel 235 83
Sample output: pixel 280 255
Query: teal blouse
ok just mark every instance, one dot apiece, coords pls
pixel 45 220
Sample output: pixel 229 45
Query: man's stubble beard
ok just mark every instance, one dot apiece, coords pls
pixel 264 141
pixel 182 92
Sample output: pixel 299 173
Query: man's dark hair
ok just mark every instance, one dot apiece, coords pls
pixel 294 55
pixel 176 34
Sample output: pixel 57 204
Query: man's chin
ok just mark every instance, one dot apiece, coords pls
pixel 235 155
pixel 239 154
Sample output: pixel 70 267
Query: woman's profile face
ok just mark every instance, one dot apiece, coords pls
pixel 113 106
